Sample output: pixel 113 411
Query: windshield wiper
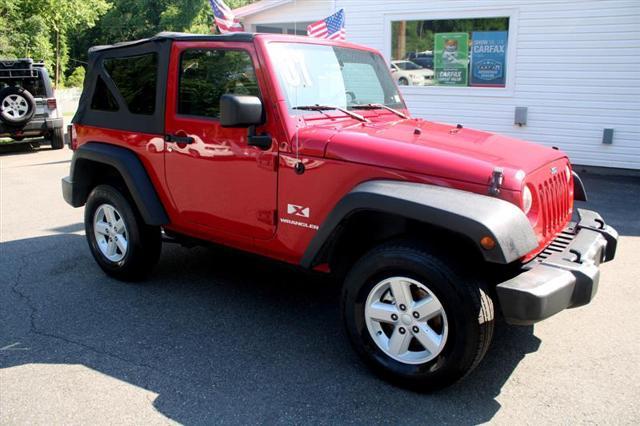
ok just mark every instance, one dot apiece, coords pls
pixel 380 106
pixel 331 107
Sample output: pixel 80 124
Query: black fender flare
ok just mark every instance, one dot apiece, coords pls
pixel 472 215
pixel 579 191
pixel 127 163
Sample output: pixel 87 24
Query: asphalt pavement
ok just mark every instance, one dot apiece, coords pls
pixel 214 336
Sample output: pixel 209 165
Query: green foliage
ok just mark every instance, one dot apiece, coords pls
pixel 62 15
pixel 39 28
pixel 31 39
pixel 33 28
pixel 76 78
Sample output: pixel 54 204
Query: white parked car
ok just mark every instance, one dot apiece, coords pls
pixel 408 73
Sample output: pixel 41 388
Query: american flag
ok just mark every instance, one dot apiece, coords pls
pixel 331 27
pixel 225 19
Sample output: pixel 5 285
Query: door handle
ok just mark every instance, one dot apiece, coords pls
pixel 184 140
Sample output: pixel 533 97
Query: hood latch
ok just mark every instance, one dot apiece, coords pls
pixel 497 177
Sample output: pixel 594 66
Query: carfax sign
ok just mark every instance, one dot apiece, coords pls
pixel 451 59
pixel 488 58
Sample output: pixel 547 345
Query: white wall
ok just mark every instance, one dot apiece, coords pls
pixel 296 11
pixel 575 64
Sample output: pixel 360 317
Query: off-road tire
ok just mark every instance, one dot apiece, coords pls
pixel 144 241
pixel 23 95
pixel 465 300
pixel 57 138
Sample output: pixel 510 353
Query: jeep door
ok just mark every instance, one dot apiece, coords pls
pixel 216 180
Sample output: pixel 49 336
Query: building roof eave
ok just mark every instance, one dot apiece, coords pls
pixel 257 7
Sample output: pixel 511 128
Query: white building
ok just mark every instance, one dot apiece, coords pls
pixel 574 65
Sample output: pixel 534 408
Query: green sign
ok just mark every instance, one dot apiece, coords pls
pixel 451 59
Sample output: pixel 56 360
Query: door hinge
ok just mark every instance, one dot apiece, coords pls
pixel 497 177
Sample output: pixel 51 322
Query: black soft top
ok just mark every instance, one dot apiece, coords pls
pixel 167 35
pixel 123 119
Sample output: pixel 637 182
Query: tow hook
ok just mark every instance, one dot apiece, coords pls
pixel 497 177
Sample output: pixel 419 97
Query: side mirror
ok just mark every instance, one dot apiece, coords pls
pixel 245 111
pixel 240 111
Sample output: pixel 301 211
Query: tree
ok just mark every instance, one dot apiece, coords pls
pixel 135 19
pixel 39 28
pixel 76 78
pixel 58 30
pixel 63 15
pixel 23 35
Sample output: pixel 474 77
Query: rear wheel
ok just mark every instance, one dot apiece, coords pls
pixel 57 138
pixel 413 319
pixel 403 81
pixel 122 244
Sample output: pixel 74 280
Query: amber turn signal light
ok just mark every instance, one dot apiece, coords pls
pixel 487 243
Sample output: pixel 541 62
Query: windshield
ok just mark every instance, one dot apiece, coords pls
pixel 312 74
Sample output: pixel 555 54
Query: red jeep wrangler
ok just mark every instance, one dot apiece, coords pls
pixel 303 151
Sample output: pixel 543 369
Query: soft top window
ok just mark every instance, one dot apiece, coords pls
pixel 128 82
pixel 207 74
pixel 103 99
pixel 135 78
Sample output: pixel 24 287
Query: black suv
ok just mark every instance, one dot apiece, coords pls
pixel 27 105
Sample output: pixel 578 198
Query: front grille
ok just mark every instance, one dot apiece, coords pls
pixel 559 244
pixel 555 203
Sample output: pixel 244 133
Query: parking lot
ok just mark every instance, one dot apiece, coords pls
pixel 206 339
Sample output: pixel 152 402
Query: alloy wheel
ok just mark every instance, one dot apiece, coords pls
pixel 110 233
pixel 406 320
pixel 14 107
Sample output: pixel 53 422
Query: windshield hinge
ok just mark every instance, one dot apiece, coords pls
pixel 497 177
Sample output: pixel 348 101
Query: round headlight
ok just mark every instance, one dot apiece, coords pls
pixel 527 200
pixel 567 171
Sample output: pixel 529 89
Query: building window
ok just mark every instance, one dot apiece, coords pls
pixel 135 78
pixel 291 28
pixel 450 52
pixel 207 74
pixel 268 30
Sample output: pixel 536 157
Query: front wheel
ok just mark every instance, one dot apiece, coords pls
pixel 122 244
pixel 413 319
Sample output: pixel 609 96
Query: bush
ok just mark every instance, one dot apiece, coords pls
pixel 76 78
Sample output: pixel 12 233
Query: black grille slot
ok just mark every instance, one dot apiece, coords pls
pixel 558 245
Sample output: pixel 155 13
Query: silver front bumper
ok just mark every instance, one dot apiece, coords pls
pixel 565 279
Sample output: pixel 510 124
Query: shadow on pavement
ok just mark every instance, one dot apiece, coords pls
pixel 221 337
pixel 24 147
